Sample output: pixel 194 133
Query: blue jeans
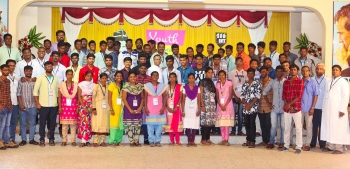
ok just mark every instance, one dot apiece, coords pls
pixel 13 123
pixel 3 115
pixel 30 114
pixel 6 135
pixel 154 128
pixel 239 107
pixel 274 121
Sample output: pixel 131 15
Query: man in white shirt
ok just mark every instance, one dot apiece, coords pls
pixel 77 46
pixel 8 51
pixel 171 69
pixel 39 62
pixel 274 55
pixel 175 49
pixel 155 67
pixel 47 46
pixel 100 56
pixel 58 69
pixel 27 61
pixel 127 53
pixel 161 52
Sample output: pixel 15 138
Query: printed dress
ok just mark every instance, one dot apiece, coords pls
pixel 249 93
pixel 69 104
pixel 224 118
pixel 84 120
pixel 208 118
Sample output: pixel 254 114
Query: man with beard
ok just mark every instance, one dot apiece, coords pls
pixel 141 60
pixel 64 59
pixel 147 50
pixel 152 44
pixel 92 46
pixel 161 52
pixel 60 35
pixel 170 69
pixel 77 45
pixel 139 44
pixel 5 104
pixel 286 51
pixel 127 53
pixel 58 69
pixel 84 43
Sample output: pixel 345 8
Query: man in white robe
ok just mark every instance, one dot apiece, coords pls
pixel 335 122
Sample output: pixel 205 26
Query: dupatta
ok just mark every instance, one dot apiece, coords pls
pixel 66 93
pixel 161 88
pixel 176 115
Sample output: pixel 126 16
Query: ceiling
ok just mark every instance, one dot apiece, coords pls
pixel 169 6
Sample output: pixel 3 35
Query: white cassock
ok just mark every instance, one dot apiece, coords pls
pixel 335 129
pixel 156 69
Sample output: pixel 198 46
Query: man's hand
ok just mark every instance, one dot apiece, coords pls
pixel 38 106
pixel 270 105
pixel 311 112
pixel 21 107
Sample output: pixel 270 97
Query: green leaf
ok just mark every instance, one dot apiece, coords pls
pixel 299 41
pixel 36 36
pixel 297 47
pixel 41 38
pixel 307 40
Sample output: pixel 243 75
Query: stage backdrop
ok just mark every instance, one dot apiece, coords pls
pixel 276 28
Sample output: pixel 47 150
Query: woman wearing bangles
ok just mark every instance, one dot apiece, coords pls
pixel 133 102
pixel 100 112
pixel 85 100
pixel 208 106
pixel 174 119
pixel 116 128
pixel 224 110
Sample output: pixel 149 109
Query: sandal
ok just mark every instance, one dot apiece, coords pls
pixel 189 144
pixel 179 144
pixel 132 144
pixel 120 144
pixel 103 144
pixel 270 146
pixel 246 143
pixel 33 142
pixel 82 145
pixel 337 152
pixel 326 150
pixel 112 145
pixel 222 143
pixel 262 144
pixel 204 143
pixel 227 144
pixel 194 144
pixel 171 144
pixel 281 145
pixel 63 144
pixel 95 145
pixel 137 144
pixel 210 143
pixel 88 144
pixel 241 133
pixel 74 144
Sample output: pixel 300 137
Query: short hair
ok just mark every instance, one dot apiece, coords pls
pixel 212 45
pixel 28 67
pixel 251 70
pixel 343 12
pixel 254 60
pixel 261 44
pixel 74 54
pixel 266 59
pixel 306 67
pixel 67 44
pixel 145 45
pixel 229 47
pixel 161 43
pixel 127 59
pixel 76 41
pixel 48 63
pixel 142 55
pixel 239 58
pixel 102 42
pixel 200 46
pixel 83 39
pixel 294 66
pixel 139 39
pixel 157 55
pixel 184 56
pixel 273 43
pixel 69 70
pixel 169 58
pixel 47 40
pixel 109 57
pixel 223 50
pixel 61 43
pixel 240 44
pixel 10 60
pixel 151 41
pixel 336 66
pixel 286 43
pixel 282 54
pixel 110 38
pixel 90 55
pixel 24 49
pixel 60 31
pixel 208 69
pixel 116 43
pixel 303 47
pixel 262 68
pixel 199 55
pixel 55 53
pixel 286 61
pixel 174 46
pixel 217 56
pixel 189 49
pixel 251 45
pixel 279 67
pixel 143 65
pixel 103 75
pixel 154 73
pixel 6 35
pixel 91 42
pixel 128 40
pixel 3 66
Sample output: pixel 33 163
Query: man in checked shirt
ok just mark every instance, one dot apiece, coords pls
pixel 5 104
pixel 292 93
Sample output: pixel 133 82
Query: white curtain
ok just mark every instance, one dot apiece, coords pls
pixel 72 30
pixel 258 34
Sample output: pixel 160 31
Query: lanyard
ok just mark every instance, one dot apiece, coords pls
pixel 239 77
pixel 330 87
pixel 177 62
pixel 319 83
pixel 50 82
pixel 222 93
pixel 103 55
pixel 118 89
pixel 71 88
pixel 272 54
pixel 104 93
pixel 9 52
pixel 156 89
pixel 42 65
pixel 31 63
pixel 58 67
pixel 171 93
pixel 12 79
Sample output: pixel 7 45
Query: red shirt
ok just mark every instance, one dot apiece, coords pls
pixel 143 80
pixel 291 91
pixel 94 71
pixel 65 60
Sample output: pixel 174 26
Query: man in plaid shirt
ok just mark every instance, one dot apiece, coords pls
pixel 5 104
pixel 293 89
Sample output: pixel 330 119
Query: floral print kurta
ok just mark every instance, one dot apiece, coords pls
pixel 249 93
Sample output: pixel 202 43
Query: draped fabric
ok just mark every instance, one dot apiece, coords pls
pixel 194 18
pixel 278 29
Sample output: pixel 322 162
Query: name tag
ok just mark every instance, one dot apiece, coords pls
pixel 171 105
pixel 192 104
pixel 119 101
pixel 212 99
pixel 155 101
pixel 50 92
pixel 68 102
pixel 222 100
pixel 239 88
pixel 183 84
pixel 134 103
pixel 104 105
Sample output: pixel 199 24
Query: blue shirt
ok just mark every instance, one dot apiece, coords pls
pixel 272 74
pixel 81 57
pixel 115 59
pixel 310 91
pixel 184 73
pixel 321 84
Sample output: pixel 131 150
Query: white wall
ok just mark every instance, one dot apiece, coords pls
pixel 31 16
pixel 295 29
pixel 311 26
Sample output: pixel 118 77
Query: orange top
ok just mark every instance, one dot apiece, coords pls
pixel 246 60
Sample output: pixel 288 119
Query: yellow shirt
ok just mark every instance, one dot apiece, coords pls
pixel 75 73
pixel 41 89
pixel 114 120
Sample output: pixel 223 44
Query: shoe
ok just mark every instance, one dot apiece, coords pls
pixel 210 143
pixel 297 151
pixel 33 142
pixel 151 144
pixel 194 144
pixel 337 152
pixel 11 144
pixel 291 146
pixel 146 142
pixel 251 145
pixel 63 144
pixel 2 146
pixel 306 148
pixel 233 133
pixel 270 147
pixel 22 143
pixel 42 144
pixel 137 144
pixel 179 144
pixel 204 143
pixel 158 144
pixel 52 143
pixel 222 143
pixel 312 146
pixel 171 144
pixel 284 149
pixel 241 134
pixel 74 144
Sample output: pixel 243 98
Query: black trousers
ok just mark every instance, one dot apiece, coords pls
pixel 249 121
pixel 265 124
pixel 316 128
pixel 47 115
pixel 206 132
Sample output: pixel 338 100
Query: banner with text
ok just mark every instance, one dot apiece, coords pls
pixel 169 37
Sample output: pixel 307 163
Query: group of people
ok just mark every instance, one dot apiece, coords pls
pixel 111 92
